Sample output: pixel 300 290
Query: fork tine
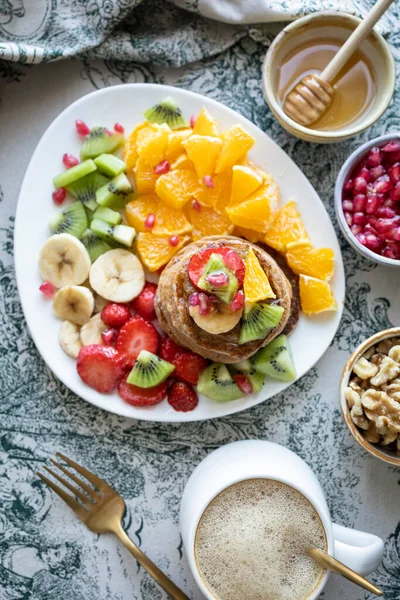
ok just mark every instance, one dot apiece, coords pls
pixel 99 483
pixel 72 503
pixel 84 499
pixel 89 490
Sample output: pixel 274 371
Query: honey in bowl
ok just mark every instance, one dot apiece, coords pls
pixel 355 87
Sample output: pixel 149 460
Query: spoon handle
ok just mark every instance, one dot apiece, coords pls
pixel 353 42
pixel 324 559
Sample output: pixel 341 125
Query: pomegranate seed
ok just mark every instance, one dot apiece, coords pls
pixel 395 234
pixel 218 279
pixel 394 172
pixel 376 172
pixel 119 128
pixel 385 212
pixel 162 167
pixel 355 229
pixel 364 173
pixel 359 202
pixel 59 196
pixel 388 252
pixel 374 157
pixel 360 185
pixel 395 193
pixel 359 218
pixel 361 238
pixel 205 304
pixel 348 186
pixel 196 205
pixel 349 218
pixel 372 242
pixel 194 299
pixel 149 221
pixel 383 184
pixel 384 225
pixel 348 205
pixel 81 128
pixel 390 204
pixel 47 289
pixel 372 204
pixel 208 182
pixel 237 302
pixel 391 147
pixel 108 132
pixel 192 121
pixel 70 161
pixel 243 383
pixel 109 336
pixel 174 240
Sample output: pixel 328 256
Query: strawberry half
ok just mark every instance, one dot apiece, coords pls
pixel 136 335
pixel 198 263
pixel 188 367
pixel 168 349
pixel 144 303
pixel 182 397
pixel 115 314
pixel 137 396
pixel 100 367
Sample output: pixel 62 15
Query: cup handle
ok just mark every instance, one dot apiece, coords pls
pixel 360 551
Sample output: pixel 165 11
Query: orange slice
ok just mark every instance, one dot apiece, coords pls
pixel 256 285
pixel 208 222
pixel 176 187
pixel 248 234
pixel 137 211
pixel 205 124
pixel 156 251
pixel 170 221
pixel 287 227
pixel 174 145
pixel 203 151
pixel 145 178
pixel 315 295
pixel 244 182
pixel 130 154
pixel 303 259
pixel 151 143
pixel 255 212
pixel 236 145
pixel 182 162
pixel 218 196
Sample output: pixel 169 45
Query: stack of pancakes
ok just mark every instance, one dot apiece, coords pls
pixel 175 287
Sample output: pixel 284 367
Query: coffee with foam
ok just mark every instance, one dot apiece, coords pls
pixel 252 540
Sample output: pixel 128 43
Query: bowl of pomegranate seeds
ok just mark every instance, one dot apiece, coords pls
pixel 367 200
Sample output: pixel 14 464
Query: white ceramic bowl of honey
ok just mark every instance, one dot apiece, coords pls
pixel 363 89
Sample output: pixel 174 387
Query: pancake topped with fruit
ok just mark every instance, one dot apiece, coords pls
pixel 224 298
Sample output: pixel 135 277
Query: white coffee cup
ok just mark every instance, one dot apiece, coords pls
pixel 254 459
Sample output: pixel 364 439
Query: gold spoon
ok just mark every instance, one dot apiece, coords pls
pixel 325 560
pixel 310 98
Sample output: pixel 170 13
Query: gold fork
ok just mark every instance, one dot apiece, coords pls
pixel 102 510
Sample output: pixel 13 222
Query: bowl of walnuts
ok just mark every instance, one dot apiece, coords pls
pixel 370 395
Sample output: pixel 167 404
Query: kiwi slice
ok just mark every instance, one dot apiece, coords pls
pixel 72 219
pixel 216 383
pixel 99 142
pixel 216 264
pixel 256 380
pixel 84 189
pixel 74 173
pixel 94 245
pixel 167 111
pixel 106 214
pixel 149 370
pixel 276 360
pixel 258 318
pixel 122 234
pixel 110 165
pixel 115 194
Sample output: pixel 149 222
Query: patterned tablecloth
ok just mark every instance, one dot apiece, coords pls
pixel 45 552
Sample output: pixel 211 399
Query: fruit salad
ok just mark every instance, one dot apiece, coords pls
pixel 133 204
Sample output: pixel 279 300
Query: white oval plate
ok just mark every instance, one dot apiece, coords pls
pixel 126 104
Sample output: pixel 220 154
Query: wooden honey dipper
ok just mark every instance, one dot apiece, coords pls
pixel 310 98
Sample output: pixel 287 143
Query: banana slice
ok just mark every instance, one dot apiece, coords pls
pixel 99 303
pixel 69 338
pixel 92 330
pixel 117 275
pixel 64 260
pixel 217 321
pixel 74 303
